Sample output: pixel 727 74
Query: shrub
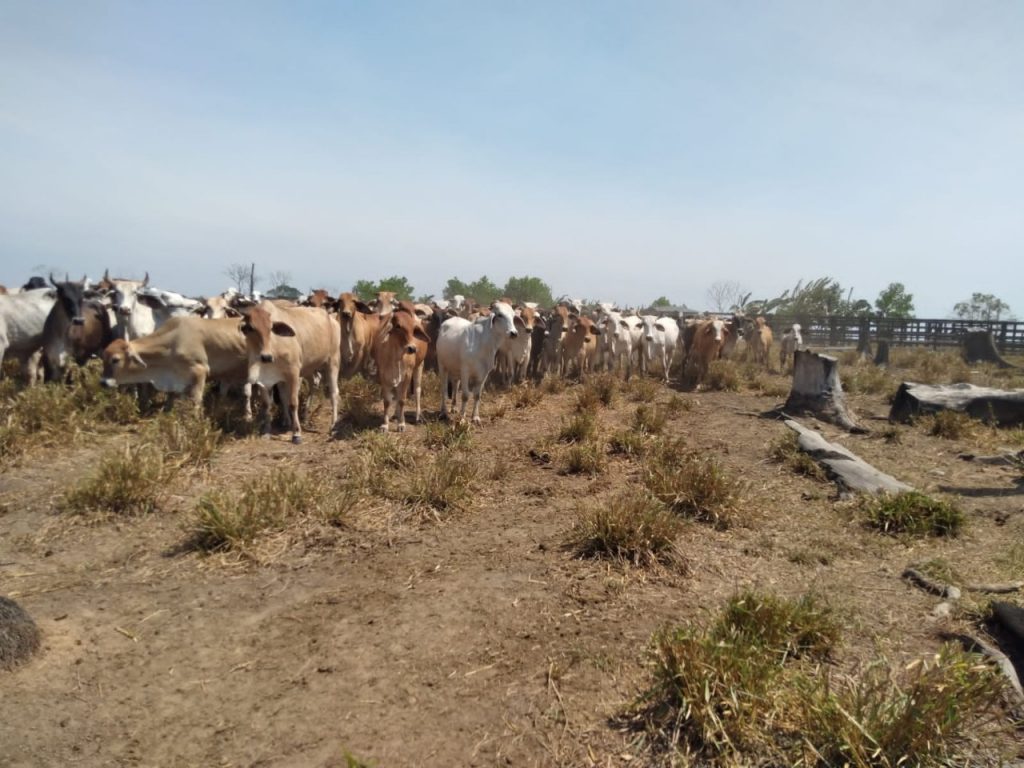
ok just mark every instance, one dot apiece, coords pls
pixel 628 442
pixel 385 451
pixel 605 386
pixel 632 527
pixel 357 401
pixel 553 384
pixel 912 512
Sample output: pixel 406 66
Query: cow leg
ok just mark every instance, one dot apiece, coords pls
pixel 332 390
pixel 291 386
pixel 196 387
pixel 417 382
pixel 478 391
pixel 442 375
pixel 465 395
pixel 246 397
pixel 388 396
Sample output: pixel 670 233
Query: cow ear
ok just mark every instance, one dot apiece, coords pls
pixel 519 323
pixel 624 324
pixel 420 334
pixel 282 329
pixel 135 358
pixel 245 327
pixel 153 302
pixel 52 280
pixel 595 330
pixel 232 312
pixel 363 307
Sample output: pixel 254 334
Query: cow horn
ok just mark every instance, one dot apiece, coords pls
pixel 52 280
pixel 106 274
pixel 145 280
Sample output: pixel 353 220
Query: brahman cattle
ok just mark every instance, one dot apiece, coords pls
pixel 22 321
pixel 708 336
pixel 580 346
pixel 661 336
pixel 792 340
pixel 759 342
pixel 399 352
pixel 466 352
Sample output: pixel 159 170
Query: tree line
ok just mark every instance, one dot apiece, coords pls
pixel 819 297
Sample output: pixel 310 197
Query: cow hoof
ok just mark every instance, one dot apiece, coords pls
pixel 401 427
pixel 443 416
pixel 384 428
pixel 476 421
pixel 296 439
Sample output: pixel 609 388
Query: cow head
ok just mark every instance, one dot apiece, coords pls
pixel 503 318
pixel 259 329
pixel 70 296
pixel 385 302
pixel 349 304
pixel 405 328
pixel 119 358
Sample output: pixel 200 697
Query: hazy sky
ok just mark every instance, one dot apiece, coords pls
pixel 619 150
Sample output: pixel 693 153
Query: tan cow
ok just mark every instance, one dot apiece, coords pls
pixel 318 298
pixel 288 344
pixel 708 337
pixel 360 326
pixel 400 350
pixel 580 346
pixel 760 342
pixel 180 356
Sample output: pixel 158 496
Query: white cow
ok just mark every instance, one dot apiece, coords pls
pixel 792 340
pixel 661 335
pixel 22 320
pixel 636 340
pixel 134 318
pixel 167 304
pixel 466 352
pixel 618 343
pixel 514 353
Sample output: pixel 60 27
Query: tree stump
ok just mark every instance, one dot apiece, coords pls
pixel 1004 407
pixel 818 392
pixel 850 472
pixel 19 635
pixel 978 346
pixel 882 353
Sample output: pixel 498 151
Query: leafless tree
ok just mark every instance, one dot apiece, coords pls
pixel 724 294
pixel 278 278
pixel 243 276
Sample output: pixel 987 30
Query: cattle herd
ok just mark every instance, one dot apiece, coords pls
pixel 178 344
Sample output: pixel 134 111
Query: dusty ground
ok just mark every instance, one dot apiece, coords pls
pixel 405 641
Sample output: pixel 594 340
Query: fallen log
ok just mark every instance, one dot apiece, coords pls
pixel 817 391
pixel 850 472
pixel 978 346
pixel 1004 407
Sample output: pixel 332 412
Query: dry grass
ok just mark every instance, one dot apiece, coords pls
pixel 128 481
pixel 756 682
pixel 233 519
pixel 629 442
pixel 440 486
pixel 605 388
pixel 690 483
pixel 640 389
pixel 912 513
pixel 722 376
pixel 578 428
pixel 949 425
pixel 631 527
pixel 649 419
pixel 931 367
pixel 553 385
pixel 525 395
pixel 786 451
pixel 448 434
pixel 357 403
pixel 584 457
pixel 186 439
pixel 867 379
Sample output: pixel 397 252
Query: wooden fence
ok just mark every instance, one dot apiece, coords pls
pixel 848 331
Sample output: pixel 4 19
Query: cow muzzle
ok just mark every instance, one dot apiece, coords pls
pixel 513 334
pixel 649 338
pixel 108 383
pixel 78 321
pixel 124 311
pixel 264 358
pixel 411 349
pixel 347 314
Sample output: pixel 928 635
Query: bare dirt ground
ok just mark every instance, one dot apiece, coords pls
pixel 405 641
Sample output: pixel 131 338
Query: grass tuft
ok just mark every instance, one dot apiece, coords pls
pixel 357 403
pixel 912 512
pixel 949 425
pixel 632 527
pixel 525 395
pixel 786 451
pixel 722 376
pixel 440 486
pixel 129 481
pixel 628 442
pixel 578 428
pixel 448 434
pixel 584 457
pixel 649 419
pixel 691 484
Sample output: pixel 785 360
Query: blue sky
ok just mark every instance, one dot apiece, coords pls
pixel 617 150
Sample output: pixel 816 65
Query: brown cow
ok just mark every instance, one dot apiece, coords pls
pixel 708 337
pixel 360 326
pixel 318 298
pixel 286 344
pixel 579 346
pixel 399 352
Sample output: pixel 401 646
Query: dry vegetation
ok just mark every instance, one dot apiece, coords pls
pixel 605 573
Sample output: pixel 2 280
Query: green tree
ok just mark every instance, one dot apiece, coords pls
pixel 661 301
pixel 820 297
pixel 483 290
pixel 367 289
pixel 894 301
pixel 529 289
pixel 982 306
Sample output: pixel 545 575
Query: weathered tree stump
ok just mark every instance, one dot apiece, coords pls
pixel 19 635
pixel 978 346
pixel 1004 407
pixel 882 353
pixel 850 472
pixel 818 392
